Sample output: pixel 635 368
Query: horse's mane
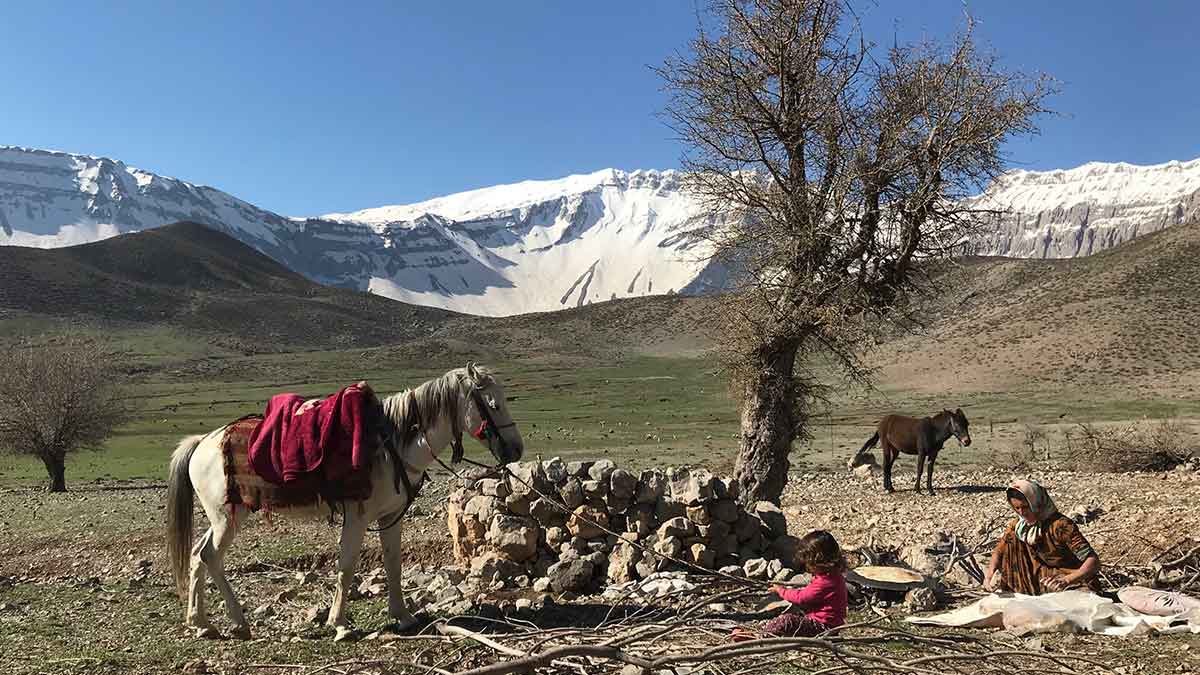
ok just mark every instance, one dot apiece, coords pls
pixel 412 410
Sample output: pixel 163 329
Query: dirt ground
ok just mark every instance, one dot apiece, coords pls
pixel 84 584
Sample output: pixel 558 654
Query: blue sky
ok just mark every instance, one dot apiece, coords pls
pixel 306 108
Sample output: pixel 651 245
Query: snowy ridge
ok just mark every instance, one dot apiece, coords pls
pixel 1071 212
pixel 544 245
pixel 531 246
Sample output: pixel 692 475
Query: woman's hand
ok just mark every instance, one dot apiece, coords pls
pixel 1058 583
pixel 992 582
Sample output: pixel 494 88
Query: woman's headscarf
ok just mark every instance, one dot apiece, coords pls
pixel 1040 504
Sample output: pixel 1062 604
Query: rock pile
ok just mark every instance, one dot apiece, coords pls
pixel 571 526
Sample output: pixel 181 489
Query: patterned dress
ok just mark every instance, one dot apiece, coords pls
pixel 1059 549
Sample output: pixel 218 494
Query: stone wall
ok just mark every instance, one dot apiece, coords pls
pixel 574 526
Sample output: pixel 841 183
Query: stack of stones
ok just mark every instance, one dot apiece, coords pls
pixel 573 526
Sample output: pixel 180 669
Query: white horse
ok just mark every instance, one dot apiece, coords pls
pixel 426 420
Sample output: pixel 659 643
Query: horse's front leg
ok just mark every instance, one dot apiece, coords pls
pixel 889 459
pixel 920 468
pixel 390 538
pixel 354 526
pixel 929 472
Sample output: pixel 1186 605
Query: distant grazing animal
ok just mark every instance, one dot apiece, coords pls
pixel 423 421
pixel 921 437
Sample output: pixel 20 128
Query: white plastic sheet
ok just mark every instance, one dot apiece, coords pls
pixel 1068 611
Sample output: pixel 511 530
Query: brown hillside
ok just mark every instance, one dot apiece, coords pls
pixel 195 278
pixel 1126 317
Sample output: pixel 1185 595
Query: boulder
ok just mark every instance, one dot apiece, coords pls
pixel 666 509
pixel 483 507
pixel 691 485
pixel 698 514
pixel 571 493
pixel 669 546
pixel 677 527
pixel 622 485
pixel 755 568
pixel 579 469
pixel 587 521
pixel 641 520
pixel 702 556
pixel 527 476
pixel 493 487
pixel 649 564
pixel 622 563
pixel 518 504
pixel 556 537
pixel 601 470
pixel 784 549
pixel 572 575
pixel 594 491
pixel 546 513
pixel 748 527
pixel 514 537
pixel 555 470
pixel 920 600
pixel 772 518
pixel 491 566
pixel 651 486
pixel 724 510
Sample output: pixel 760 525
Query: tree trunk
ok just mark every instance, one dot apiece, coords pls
pixel 768 426
pixel 56 467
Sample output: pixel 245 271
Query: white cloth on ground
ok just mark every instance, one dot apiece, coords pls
pixel 1067 612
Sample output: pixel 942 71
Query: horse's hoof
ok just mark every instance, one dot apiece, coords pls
pixel 402 624
pixel 343 633
pixel 241 632
pixel 207 633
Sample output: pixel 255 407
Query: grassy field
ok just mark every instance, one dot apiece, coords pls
pixel 638 411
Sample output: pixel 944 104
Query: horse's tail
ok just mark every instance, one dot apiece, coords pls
pixel 180 507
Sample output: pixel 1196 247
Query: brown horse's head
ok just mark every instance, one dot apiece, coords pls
pixel 959 426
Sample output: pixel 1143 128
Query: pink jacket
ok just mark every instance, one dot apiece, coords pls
pixel 823 600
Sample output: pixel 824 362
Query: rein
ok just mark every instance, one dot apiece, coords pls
pixel 488 430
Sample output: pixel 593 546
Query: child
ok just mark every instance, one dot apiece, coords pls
pixel 823 602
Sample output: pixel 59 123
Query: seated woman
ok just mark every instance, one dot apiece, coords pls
pixel 1042 551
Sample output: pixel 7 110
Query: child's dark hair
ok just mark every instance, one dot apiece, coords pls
pixel 818 551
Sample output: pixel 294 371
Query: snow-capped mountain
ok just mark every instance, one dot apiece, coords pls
pixel 533 246
pixel 542 245
pixel 1080 211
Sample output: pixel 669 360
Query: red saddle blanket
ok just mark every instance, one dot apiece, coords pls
pixel 301 452
pixel 300 439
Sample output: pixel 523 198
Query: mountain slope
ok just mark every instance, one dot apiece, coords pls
pixel 1124 317
pixel 1081 211
pixel 533 246
pixel 190 276
pixel 544 245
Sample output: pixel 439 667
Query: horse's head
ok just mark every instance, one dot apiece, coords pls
pixel 486 415
pixel 959 426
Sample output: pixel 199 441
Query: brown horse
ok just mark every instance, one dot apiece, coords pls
pixel 921 437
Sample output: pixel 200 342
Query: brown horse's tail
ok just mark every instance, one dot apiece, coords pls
pixel 866 446
pixel 180 509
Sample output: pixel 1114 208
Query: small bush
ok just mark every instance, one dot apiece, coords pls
pixel 1141 446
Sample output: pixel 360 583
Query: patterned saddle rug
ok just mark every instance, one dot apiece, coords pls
pixel 246 487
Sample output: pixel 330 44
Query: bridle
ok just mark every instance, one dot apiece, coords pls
pixel 488 430
pixel 952 427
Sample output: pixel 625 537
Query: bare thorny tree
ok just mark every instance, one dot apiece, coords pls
pixel 58 395
pixel 841 169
